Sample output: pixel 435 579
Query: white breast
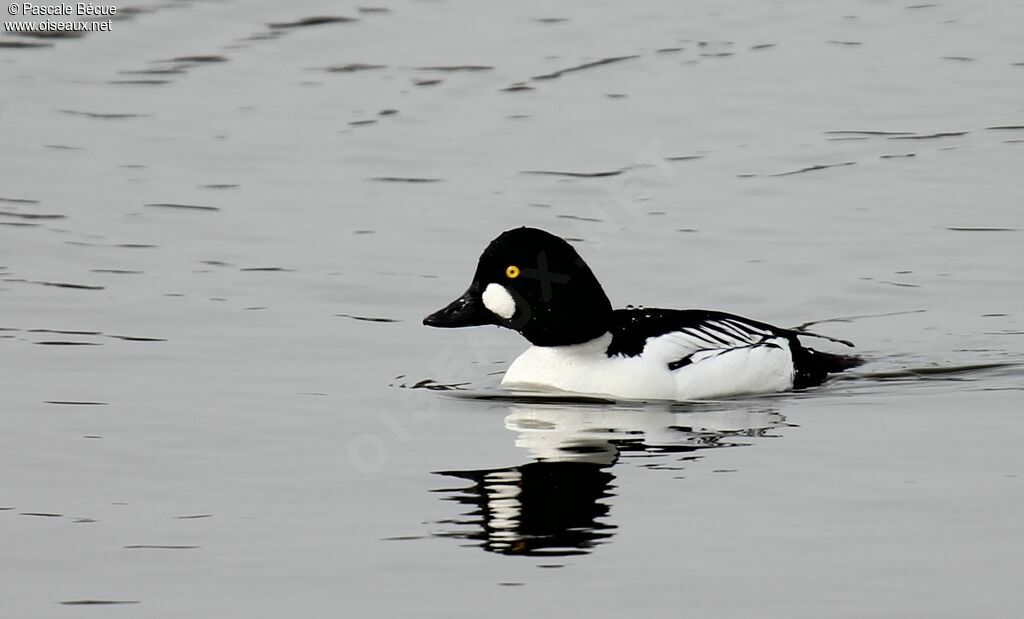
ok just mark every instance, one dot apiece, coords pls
pixel 585 368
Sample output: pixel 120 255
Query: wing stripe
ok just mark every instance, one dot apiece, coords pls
pixel 730 336
pixel 681 363
pixel 733 330
pixel 748 328
pixel 703 335
pixel 714 354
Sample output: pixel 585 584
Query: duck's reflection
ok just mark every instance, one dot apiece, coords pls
pixel 534 509
pixel 558 504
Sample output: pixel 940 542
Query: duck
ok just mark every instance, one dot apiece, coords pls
pixel 535 283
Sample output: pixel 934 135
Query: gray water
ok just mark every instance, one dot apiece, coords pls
pixel 218 238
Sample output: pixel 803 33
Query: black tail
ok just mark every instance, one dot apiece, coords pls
pixel 813 367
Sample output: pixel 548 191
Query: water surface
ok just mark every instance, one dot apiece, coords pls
pixel 221 224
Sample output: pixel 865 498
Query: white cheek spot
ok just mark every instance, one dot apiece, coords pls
pixel 497 299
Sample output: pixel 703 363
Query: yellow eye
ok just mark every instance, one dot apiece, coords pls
pixel 512 271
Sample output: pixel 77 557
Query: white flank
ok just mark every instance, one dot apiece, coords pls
pixel 712 372
pixel 497 299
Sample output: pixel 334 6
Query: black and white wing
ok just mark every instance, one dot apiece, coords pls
pixel 680 337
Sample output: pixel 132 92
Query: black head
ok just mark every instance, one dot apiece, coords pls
pixel 533 282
